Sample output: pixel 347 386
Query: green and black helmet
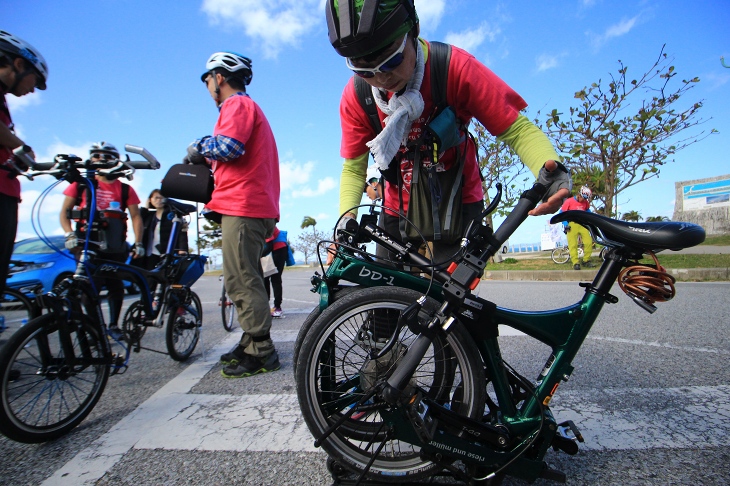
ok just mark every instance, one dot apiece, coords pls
pixel 361 27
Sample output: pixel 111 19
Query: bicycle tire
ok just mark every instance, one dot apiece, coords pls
pixel 228 310
pixel 560 255
pixel 307 324
pixel 183 326
pixel 43 395
pixel 16 310
pixel 330 375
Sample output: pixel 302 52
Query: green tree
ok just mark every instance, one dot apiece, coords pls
pixel 625 129
pixel 656 219
pixel 309 221
pixel 499 163
pixel 308 244
pixel 208 241
pixel 633 216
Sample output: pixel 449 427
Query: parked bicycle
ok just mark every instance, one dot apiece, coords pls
pixel 54 369
pixel 17 308
pixel 400 377
pixel 561 253
pixel 228 308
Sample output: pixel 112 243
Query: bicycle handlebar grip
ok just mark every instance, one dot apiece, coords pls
pixel 22 153
pixel 140 164
pixel 404 371
pixel 43 165
pixel 152 161
pixel 527 203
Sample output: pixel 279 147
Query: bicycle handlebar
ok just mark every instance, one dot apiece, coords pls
pixel 150 161
pixel 23 164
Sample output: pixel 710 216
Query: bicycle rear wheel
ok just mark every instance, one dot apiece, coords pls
pixel 16 310
pixel 183 325
pixel 46 392
pixel 334 371
pixel 560 255
pixel 228 310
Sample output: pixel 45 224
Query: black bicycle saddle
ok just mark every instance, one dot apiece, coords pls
pixel 665 235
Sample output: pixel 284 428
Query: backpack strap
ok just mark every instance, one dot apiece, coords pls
pixel 125 196
pixel 365 97
pixel 440 59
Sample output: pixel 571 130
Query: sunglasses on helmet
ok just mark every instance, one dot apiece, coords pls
pixel 388 65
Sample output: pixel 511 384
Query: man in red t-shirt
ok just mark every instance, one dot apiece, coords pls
pixel 22 70
pixel 581 202
pixel 106 191
pixel 391 58
pixel 242 153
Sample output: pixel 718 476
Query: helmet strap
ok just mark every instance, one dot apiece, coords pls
pixel 217 88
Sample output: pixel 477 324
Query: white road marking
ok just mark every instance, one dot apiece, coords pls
pixel 175 419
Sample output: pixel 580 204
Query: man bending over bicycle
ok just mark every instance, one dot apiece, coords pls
pixel 110 193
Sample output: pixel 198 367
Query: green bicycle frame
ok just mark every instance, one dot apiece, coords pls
pixel 564 330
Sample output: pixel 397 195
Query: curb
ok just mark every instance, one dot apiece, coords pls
pixel 681 274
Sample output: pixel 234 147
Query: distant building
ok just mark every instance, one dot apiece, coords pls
pixel 705 202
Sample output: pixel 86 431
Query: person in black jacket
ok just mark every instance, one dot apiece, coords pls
pixel 157 221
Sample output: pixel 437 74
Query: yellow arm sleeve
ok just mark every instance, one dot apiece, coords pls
pixel 352 182
pixel 530 143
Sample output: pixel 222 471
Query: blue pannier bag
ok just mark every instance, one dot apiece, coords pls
pixel 188 269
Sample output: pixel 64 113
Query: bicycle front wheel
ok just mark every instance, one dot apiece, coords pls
pixel 228 310
pixel 183 325
pixel 560 255
pixel 49 387
pixel 335 370
pixel 16 310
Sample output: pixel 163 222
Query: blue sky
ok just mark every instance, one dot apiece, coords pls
pixel 129 72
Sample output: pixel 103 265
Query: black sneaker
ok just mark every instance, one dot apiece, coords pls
pixel 250 365
pixel 234 356
pixel 576 266
pixel 588 264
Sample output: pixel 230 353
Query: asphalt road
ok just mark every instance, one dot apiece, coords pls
pixel 650 393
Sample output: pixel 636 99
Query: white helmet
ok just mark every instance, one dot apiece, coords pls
pixel 585 192
pixel 239 66
pixel 13 46
pixel 104 148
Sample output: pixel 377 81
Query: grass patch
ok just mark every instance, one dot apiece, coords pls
pixel 721 240
pixel 666 260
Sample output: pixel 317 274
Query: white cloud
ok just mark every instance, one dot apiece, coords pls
pixel 295 180
pixel 613 31
pixel 293 174
pixel 430 13
pixel 16 104
pixel 273 24
pixel 470 39
pixel 716 80
pixel 323 186
pixel 58 147
pixel 544 62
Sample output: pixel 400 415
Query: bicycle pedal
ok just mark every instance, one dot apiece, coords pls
pixel 118 366
pixel 567 428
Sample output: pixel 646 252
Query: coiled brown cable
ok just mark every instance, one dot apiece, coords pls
pixel 650 283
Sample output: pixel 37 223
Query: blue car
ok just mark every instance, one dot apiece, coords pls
pixel 35 265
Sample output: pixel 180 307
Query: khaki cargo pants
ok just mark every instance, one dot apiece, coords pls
pixel 243 245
